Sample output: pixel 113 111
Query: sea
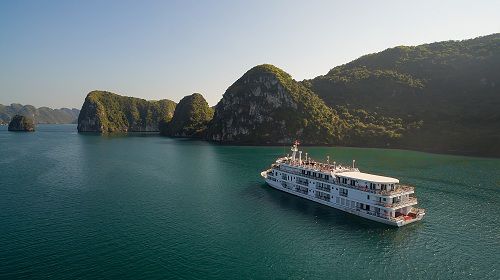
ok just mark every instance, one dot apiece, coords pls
pixel 142 206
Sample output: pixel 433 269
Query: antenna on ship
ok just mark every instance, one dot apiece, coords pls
pixel 300 157
pixel 328 159
pixel 353 161
pixel 306 156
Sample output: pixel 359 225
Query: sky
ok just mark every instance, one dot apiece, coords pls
pixel 52 53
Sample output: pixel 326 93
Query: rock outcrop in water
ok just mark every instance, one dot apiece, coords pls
pixel 108 112
pixel 21 123
pixel 266 106
pixel 191 117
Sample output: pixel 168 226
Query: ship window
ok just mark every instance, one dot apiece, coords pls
pixel 368 197
pixel 343 192
pixel 326 177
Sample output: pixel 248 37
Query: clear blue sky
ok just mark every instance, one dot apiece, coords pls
pixel 54 52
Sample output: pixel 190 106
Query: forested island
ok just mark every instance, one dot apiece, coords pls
pixel 104 112
pixel 440 97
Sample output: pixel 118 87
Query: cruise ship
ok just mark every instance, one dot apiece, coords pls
pixel 378 198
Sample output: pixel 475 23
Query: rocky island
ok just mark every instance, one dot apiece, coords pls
pixel 22 123
pixel 440 97
pixel 191 118
pixel 105 112
pixel 266 106
pixel 444 96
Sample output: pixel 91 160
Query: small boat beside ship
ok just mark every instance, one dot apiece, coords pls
pixel 378 198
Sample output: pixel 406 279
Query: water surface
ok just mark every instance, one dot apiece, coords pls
pixel 76 206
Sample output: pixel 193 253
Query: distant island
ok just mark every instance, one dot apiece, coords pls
pixel 21 123
pixel 42 115
pixel 105 112
pixel 440 97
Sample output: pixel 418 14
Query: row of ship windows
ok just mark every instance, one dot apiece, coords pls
pixel 338 200
pixel 353 204
pixel 319 185
pixel 315 174
pixel 342 180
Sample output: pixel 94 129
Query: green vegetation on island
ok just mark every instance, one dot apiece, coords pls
pixel 266 106
pixel 439 97
pixel 21 123
pixel 190 119
pixel 108 112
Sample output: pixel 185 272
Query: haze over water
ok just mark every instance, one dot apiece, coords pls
pixel 143 206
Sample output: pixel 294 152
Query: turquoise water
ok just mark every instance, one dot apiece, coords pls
pixel 76 206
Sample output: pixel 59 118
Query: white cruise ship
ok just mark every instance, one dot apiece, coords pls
pixel 378 198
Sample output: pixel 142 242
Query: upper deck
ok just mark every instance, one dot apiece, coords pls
pixel 357 175
pixel 344 176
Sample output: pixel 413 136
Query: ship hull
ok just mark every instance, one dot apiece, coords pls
pixel 396 223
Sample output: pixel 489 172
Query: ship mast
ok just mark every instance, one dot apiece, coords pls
pixel 295 149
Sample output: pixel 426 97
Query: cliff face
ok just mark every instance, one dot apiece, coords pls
pixel 266 106
pixel 21 123
pixel 108 112
pixel 191 117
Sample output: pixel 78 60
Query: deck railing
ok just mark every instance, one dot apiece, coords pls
pixel 403 203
